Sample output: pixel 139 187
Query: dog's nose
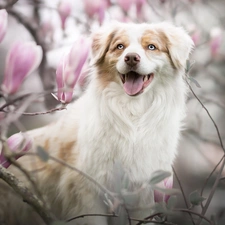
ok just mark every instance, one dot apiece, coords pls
pixel 132 59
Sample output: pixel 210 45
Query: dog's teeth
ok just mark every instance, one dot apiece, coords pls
pixel 145 78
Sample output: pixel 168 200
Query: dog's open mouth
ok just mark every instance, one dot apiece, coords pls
pixel 134 83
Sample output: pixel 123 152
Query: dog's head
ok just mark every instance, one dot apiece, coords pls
pixel 136 56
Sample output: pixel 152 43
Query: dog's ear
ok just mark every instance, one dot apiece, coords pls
pixel 179 44
pixel 101 40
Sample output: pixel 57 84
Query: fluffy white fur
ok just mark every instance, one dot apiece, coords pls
pixel 107 126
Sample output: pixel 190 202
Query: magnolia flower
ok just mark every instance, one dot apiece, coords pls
pixel 96 8
pixel 69 70
pixel 64 10
pixel 3 23
pixel 160 196
pixel 216 40
pixel 16 143
pixel 125 4
pixel 139 5
pixel 21 61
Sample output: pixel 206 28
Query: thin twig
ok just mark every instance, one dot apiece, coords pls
pixel 91 215
pixel 44 113
pixel 12 101
pixel 128 215
pixel 39 113
pixel 114 215
pixel 194 213
pixel 212 191
pixel 204 209
pixel 207 111
pixel 152 221
pixel 207 180
pixel 102 188
pixel 183 194
pixel 149 217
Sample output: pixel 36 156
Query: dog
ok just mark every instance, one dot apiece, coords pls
pixel 130 115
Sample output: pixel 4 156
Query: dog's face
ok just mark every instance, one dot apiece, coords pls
pixel 136 56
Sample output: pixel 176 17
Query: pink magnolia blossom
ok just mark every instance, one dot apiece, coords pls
pixel 16 143
pixel 96 8
pixel 69 70
pixel 160 196
pixel 21 61
pixel 64 10
pixel 139 5
pixel 3 23
pixel 216 40
pixel 125 4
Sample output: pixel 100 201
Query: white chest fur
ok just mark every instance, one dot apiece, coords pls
pixel 139 133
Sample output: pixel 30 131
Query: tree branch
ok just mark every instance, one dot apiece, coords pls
pixel 9 4
pixel 27 195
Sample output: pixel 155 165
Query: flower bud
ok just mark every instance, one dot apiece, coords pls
pixel 160 196
pixel 216 40
pixel 21 61
pixel 139 5
pixel 69 70
pixel 16 143
pixel 64 10
pixel 96 8
pixel 125 4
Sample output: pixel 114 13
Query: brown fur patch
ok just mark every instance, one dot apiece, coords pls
pixel 155 38
pixel 46 145
pixel 66 152
pixel 101 46
pixel 161 42
pixel 107 71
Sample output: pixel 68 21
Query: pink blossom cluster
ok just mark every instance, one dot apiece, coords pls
pixel 69 70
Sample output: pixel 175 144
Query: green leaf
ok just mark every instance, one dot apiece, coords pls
pixel 158 176
pixel 195 198
pixel 130 198
pixel 42 154
pixel 172 202
pixel 160 207
pixel 189 65
pixel 194 81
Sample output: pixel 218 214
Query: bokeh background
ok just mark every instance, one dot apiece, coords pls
pixel 56 28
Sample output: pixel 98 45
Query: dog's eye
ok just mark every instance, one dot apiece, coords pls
pixel 151 47
pixel 120 46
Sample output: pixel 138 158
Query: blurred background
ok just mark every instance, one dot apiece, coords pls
pixel 56 25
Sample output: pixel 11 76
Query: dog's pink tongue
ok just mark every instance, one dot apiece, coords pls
pixel 133 83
